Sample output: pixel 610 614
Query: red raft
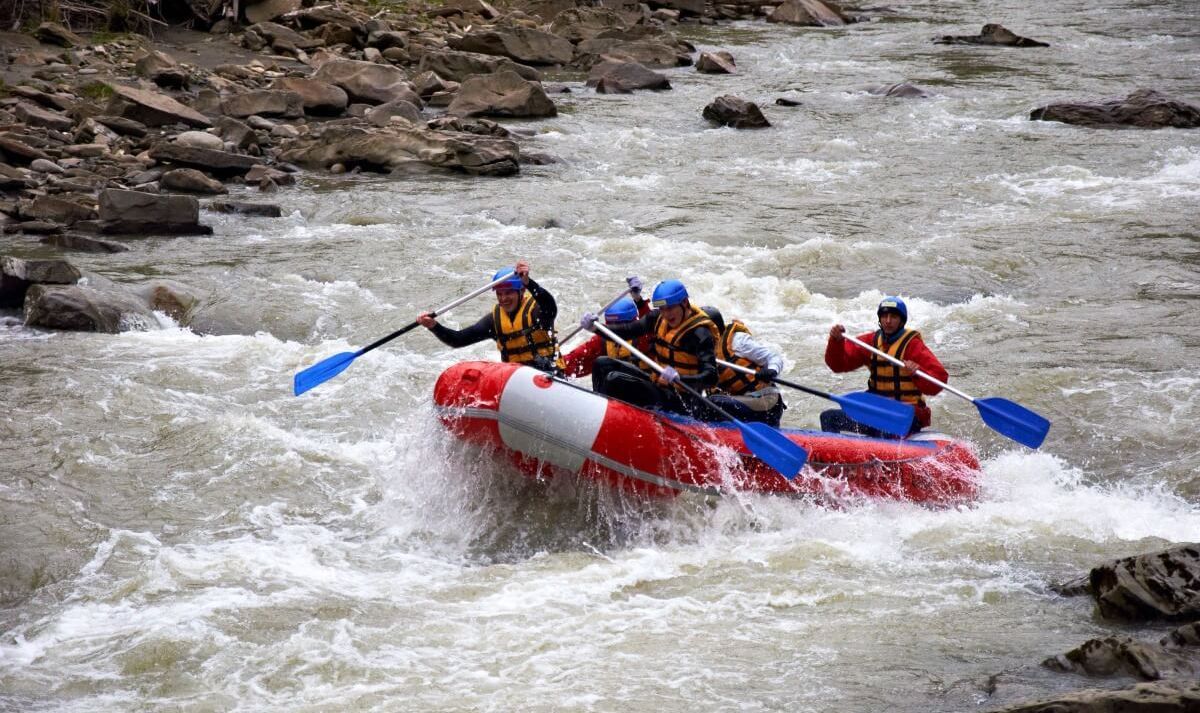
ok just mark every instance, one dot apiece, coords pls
pixel 550 426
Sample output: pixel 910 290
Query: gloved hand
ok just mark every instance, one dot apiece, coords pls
pixel 588 321
pixel 635 284
pixel 669 375
pixel 766 374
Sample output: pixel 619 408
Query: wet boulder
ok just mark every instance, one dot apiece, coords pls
pixel 17 276
pixel 1156 697
pixel 84 243
pixel 809 13
pixel 501 94
pixel 397 148
pixel 365 82
pixel 57 210
pixel 189 180
pixel 1125 656
pixel 738 113
pixel 457 66
pixel 152 108
pixel 137 213
pixel 1157 586
pixel 903 90
pixel 992 34
pixel 612 77
pixel 261 210
pixel 169 297
pixel 521 44
pixel 1143 109
pixel 81 308
pixel 716 63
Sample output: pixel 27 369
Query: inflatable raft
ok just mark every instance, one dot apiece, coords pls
pixel 548 426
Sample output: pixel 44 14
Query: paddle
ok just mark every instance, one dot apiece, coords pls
pixel 1001 415
pixel 767 444
pixel 326 369
pixel 872 410
pixel 603 309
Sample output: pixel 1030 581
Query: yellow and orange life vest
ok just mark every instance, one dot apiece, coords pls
pixel 889 380
pixel 519 339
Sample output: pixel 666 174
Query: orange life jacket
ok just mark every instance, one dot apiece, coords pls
pixel 729 381
pixel 519 339
pixel 892 381
pixel 668 350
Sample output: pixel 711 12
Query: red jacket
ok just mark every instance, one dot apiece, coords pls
pixel 843 355
pixel 582 358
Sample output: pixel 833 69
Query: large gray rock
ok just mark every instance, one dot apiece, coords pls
pixel 1158 697
pixel 398 148
pixel 501 94
pixel 134 212
pixel 1158 586
pixel 811 13
pixel 624 77
pixel 651 53
pixel 37 116
pixel 365 82
pixel 457 66
pixel 17 276
pixel 266 102
pixel 58 210
pixel 319 98
pixel 729 110
pixel 85 309
pixel 1125 656
pixel 218 163
pixel 583 23
pixel 1143 109
pixel 991 34
pixel 152 108
pixel 522 44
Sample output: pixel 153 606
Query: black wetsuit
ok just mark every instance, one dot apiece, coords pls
pixel 544 313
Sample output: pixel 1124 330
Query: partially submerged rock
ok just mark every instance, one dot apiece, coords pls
pixel 1157 697
pixel 716 63
pixel 85 309
pixel 738 113
pixel 137 213
pixel 811 13
pixel 992 34
pixel 399 148
pixel 1162 586
pixel 613 77
pixel 902 90
pixel 1144 109
pixel 17 276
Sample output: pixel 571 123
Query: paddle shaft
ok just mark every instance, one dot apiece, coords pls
pixel 658 368
pixel 918 372
pixel 603 309
pixel 440 310
pixel 777 380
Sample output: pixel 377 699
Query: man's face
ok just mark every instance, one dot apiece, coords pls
pixel 674 315
pixel 509 300
pixel 889 322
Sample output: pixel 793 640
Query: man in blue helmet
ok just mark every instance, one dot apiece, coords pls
pixel 885 379
pixel 521 323
pixel 582 359
pixel 684 341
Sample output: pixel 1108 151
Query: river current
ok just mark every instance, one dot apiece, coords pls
pixel 178 532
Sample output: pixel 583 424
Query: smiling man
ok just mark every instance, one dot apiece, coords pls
pixel 885 379
pixel 521 323
pixel 684 341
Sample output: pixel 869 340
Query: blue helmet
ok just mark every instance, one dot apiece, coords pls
pixel 512 283
pixel 623 311
pixel 893 304
pixel 668 293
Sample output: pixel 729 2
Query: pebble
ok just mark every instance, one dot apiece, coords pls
pixel 42 165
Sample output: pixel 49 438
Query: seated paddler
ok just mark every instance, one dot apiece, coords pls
pixel 684 341
pixel 885 379
pixel 748 397
pixel 521 322
pixel 583 358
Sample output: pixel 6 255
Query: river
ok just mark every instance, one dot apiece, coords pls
pixel 179 532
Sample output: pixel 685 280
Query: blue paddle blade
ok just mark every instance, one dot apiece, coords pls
pixel 887 415
pixel 773 448
pixel 321 372
pixel 1013 420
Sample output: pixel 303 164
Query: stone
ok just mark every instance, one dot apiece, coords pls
pixel 583 23
pixel 787 101
pixel 84 243
pixel 738 113
pixel 992 34
pixel 259 173
pixel 1143 109
pixel 716 63
pixel 37 116
pixel 902 90
pixel 84 309
pixel 53 33
pixel 34 227
pixel 686 7
pixel 810 13
pixel 42 165
pixel 1157 586
pixel 1124 656
pixel 273 33
pixel 501 94
pixel 162 69
pixel 19 153
pixel 457 66
pixel 263 210
pixel 218 163
pixel 651 53
pixel 382 114
pixel 317 97
pixel 189 180
pixel 235 132
pixel 17 276
pixel 200 140
pixel 12 179
pixel 270 9
pixel 123 126
pixel 612 77
pixel 1156 697
pixel 134 212
pixel 365 81
pixel 169 297
pixel 426 84
pixel 522 44
pixel 152 108
pixel 58 210
pixel 398 148
pixel 267 102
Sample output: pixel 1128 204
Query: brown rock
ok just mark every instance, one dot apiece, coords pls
pixel 903 90
pixel 134 212
pixel 37 116
pixel 17 276
pixel 382 114
pixel 1122 655
pixel 624 77
pixel 501 94
pixel 152 108
pixel 53 33
pixel 263 210
pixel 1158 697
pixel 716 63
pixel 457 66
pixel 189 180
pixel 399 148
pixel 522 44
pixel 1158 586
pixel 19 153
pixel 319 98
pixel 123 126
pixel 365 81
pixel 219 163
pixel 84 243
pixel 270 9
pixel 812 13
pixel 1144 109
pixel 57 210
pixel 729 110
pixel 583 23
pixel 267 102
pixel 651 53
pixel 84 309
pixel 992 34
